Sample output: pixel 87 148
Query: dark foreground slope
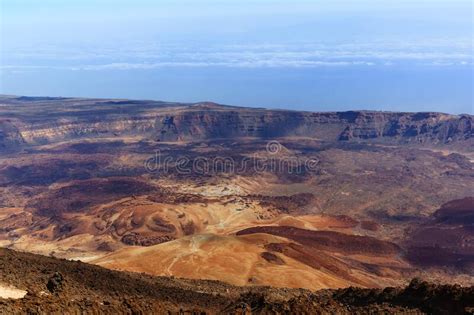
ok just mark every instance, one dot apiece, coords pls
pixel 63 286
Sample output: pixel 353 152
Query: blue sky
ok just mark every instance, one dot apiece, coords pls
pixel 312 55
pixel 56 21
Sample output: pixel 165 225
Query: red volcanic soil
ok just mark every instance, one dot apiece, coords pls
pixel 82 195
pixel 85 194
pixel 344 221
pixel 314 258
pixel 316 249
pixel 272 258
pixel 286 204
pixel 329 240
pixel 369 226
pixel 459 211
pixel 447 240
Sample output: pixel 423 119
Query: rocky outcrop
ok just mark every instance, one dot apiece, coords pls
pixel 26 123
pixel 10 135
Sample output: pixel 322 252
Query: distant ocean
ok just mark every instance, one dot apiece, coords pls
pixel 306 55
pixel 323 88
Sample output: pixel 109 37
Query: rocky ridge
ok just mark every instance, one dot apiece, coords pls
pixel 160 121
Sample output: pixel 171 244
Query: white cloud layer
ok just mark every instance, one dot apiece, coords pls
pixel 145 56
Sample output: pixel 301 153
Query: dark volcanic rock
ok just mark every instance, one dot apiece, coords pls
pixel 95 290
pixel 135 239
pixel 55 283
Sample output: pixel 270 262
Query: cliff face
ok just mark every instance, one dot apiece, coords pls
pixel 10 135
pixel 343 126
pixel 34 121
pixel 421 127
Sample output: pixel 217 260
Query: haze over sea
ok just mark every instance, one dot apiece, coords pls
pixel 306 55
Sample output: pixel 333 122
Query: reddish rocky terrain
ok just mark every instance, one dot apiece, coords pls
pixel 447 238
pixel 250 197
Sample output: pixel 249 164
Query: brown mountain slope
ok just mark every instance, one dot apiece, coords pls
pixel 61 286
pixel 447 238
pixel 260 259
